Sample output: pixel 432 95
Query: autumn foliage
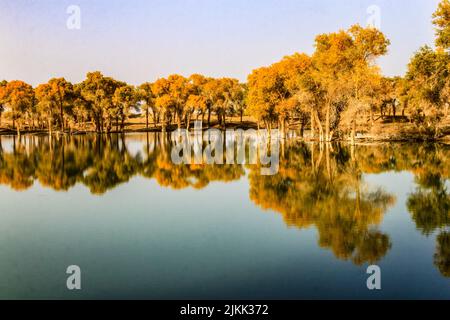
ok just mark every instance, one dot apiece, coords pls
pixel 337 92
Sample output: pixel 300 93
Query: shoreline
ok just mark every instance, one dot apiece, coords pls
pixel 412 137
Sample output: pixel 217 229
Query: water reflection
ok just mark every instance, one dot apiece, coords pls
pixel 317 185
pixel 101 163
pixel 325 188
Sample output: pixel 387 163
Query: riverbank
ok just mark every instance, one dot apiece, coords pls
pixel 381 132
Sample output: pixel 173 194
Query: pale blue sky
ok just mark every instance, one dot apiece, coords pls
pixel 141 40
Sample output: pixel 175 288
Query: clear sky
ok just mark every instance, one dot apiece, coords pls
pixel 141 40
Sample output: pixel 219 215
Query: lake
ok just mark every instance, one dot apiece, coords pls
pixel 140 226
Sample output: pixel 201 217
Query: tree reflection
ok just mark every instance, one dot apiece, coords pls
pixel 17 168
pixel 324 188
pixel 317 185
pixel 429 204
pixel 101 163
pixel 442 255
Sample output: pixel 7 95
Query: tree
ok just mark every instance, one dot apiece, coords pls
pixel 239 98
pixel 223 95
pixel 18 96
pixel 428 82
pixel 270 89
pixel 46 104
pixel 214 99
pixel 195 103
pixel 341 61
pixel 146 95
pixel 441 19
pixel 124 99
pixel 163 100
pixel 365 81
pixel 198 100
pixel 2 107
pixel 98 91
pixel 234 94
pixel 171 97
pixel 61 93
pixel 81 107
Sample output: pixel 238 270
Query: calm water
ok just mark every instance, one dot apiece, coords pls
pixel 141 227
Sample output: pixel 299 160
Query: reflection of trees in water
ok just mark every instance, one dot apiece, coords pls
pixel 112 165
pixel 16 169
pixel 101 163
pixel 319 186
pixel 322 186
pixel 429 204
pixel 159 165
pixel 442 255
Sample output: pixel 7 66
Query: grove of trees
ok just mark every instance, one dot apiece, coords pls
pixel 336 92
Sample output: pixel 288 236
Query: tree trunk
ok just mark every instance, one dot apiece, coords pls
pixel 371 116
pixel 282 127
pixel 163 122
pixel 327 123
pixel 188 120
pixel 155 119
pixel 353 132
pixel 122 124
pixel 108 125
pixel 50 126
pixel 61 116
pixel 146 118
pixel 319 124
pixel 179 118
pixel 209 117
pixel 394 110
pixel 312 125
pixel 97 123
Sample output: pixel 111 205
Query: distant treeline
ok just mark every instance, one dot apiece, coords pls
pixel 335 92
